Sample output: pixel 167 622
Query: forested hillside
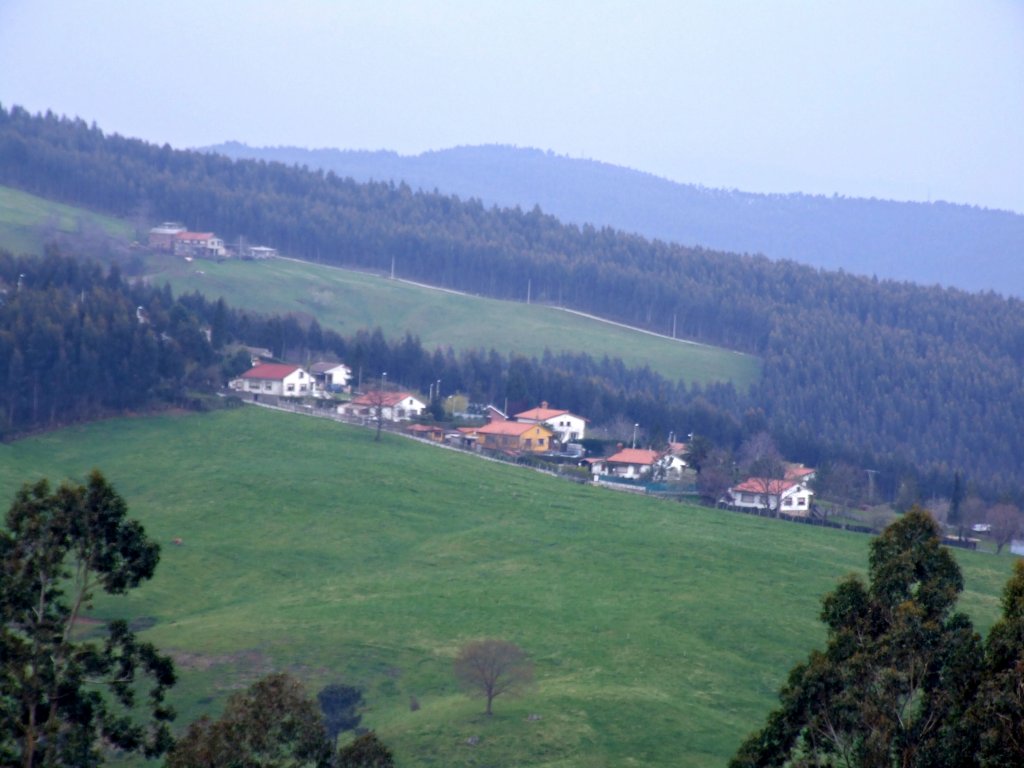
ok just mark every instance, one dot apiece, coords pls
pixel 78 343
pixel 928 243
pixel 889 374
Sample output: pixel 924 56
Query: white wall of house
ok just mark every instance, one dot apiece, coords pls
pixel 794 501
pixel 296 384
pixel 568 427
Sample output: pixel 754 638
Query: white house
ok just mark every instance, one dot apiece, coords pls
pixel 568 426
pixel 202 244
pixel 628 463
pixel 786 496
pixel 330 377
pixel 278 379
pixel 394 406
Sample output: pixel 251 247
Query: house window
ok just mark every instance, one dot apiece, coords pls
pixel 291 387
pixel 267 385
pixel 529 442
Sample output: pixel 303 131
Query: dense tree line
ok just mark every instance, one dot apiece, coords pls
pixel 78 343
pixel 887 374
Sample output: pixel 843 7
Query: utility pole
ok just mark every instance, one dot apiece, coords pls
pixel 871 484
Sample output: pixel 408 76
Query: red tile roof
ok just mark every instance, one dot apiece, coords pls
pixel 758 485
pixel 509 428
pixel 194 235
pixel 383 399
pixel 798 473
pixel 275 371
pixel 634 456
pixel 540 414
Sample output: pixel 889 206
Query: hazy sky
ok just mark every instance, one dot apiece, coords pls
pixel 892 99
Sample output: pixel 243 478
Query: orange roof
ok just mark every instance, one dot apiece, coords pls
pixel 276 371
pixel 540 414
pixel 509 428
pixel 759 485
pixel 385 399
pixel 798 473
pixel 634 456
pixel 194 235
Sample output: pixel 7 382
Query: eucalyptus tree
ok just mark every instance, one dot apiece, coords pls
pixel 63 697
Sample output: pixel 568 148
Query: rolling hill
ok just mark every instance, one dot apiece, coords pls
pixel 928 243
pixel 660 632
pixel 347 300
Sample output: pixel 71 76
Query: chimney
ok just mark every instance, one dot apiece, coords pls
pixel 544 404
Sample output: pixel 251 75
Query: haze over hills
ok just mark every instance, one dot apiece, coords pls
pixel 960 246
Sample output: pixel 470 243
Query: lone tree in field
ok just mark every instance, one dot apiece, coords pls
pixel 492 667
pixel 63 700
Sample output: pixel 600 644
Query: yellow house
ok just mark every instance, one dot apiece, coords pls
pixel 514 437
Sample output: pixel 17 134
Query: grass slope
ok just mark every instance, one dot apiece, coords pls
pixel 27 222
pixel 660 632
pixel 348 301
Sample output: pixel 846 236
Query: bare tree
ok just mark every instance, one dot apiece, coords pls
pixel 1005 520
pixel 492 667
pixel 762 463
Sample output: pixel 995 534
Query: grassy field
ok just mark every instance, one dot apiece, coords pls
pixel 27 222
pixel 660 632
pixel 347 301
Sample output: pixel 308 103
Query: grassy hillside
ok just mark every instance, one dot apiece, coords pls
pixel 28 222
pixel 660 632
pixel 347 301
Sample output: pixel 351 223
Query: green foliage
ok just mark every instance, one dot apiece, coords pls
pixel 63 699
pixel 77 343
pixel 900 671
pixel 999 713
pixel 367 751
pixel 271 724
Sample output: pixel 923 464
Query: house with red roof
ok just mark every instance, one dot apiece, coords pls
pixel 567 426
pixel 627 463
pixel 392 406
pixel 278 379
pixel 778 495
pixel 200 244
pixel 514 437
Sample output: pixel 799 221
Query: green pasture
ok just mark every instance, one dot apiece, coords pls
pixel 348 301
pixel 660 632
pixel 27 222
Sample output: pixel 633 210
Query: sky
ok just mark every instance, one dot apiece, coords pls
pixel 894 99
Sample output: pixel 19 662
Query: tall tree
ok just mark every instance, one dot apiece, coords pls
pixel 62 699
pixel 1000 708
pixel 491 668
pixel 899 673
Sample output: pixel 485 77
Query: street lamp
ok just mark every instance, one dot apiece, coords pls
pixel 635 427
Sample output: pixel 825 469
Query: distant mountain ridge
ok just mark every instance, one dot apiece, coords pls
pixel 959 246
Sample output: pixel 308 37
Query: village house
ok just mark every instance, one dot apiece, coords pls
pixel 259 252
pixel 567 426
pixel 163 236
pixel 393 406
pixel 279 379
pixel 330 377
pixel 779 495
pixel 514 437
pixel 199 245
pixel 627 464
